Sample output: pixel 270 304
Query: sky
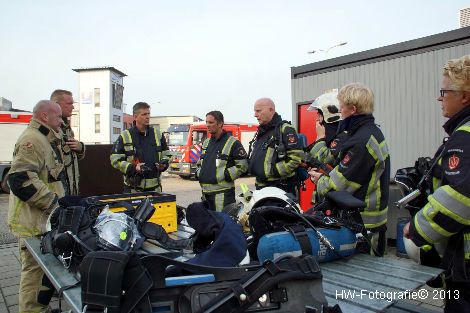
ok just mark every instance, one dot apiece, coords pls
pixel 189 57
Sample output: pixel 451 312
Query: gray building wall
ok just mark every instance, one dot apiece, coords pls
pixel 405 79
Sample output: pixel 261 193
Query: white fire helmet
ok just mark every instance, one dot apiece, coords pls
pixel 328 104
pixel 259 197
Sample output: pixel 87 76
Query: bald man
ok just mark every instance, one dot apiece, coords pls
pixel 275 153
pixel 36 182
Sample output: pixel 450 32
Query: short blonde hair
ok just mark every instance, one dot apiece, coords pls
pixel 458 71
pixel 358 95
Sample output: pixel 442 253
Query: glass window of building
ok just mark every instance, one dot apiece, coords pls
pixel 97 97
pixel 97 124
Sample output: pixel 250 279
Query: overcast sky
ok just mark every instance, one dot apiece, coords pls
pixel 189 57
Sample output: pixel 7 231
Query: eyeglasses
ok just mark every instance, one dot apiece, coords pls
pixel 443 91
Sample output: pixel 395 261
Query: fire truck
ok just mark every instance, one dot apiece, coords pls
pixel 12 124
pixel 185 142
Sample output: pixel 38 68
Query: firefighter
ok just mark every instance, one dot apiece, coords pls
pixel 444 221
pixel 363 162
pixel 141 153
pixel 73 149
pixel 325 147
pixel 275 153
pixel 223 160
pixel 37 182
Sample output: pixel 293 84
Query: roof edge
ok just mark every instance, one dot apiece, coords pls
pixel 103 68
pixel 402 47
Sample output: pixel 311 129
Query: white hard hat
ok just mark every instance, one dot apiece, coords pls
pixel 328 104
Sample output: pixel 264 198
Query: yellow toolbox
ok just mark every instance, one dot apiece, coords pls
pixel 164 203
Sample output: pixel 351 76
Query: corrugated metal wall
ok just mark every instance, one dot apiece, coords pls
pixel 405 88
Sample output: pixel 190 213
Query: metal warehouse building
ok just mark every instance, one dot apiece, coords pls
pixel 405 78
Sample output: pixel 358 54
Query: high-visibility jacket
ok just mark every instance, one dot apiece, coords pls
pixel 363 169
pixel 133 147
pixel 222 161
pixel 446 216
pixel 71 159
pixel 36 179
pixel 326 150
pixel 265 161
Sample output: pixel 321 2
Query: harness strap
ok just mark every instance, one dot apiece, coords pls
pixel 70 219
pixel 300 234
pixel 262 281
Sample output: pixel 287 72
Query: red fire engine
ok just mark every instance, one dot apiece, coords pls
pixel 12 124
pixel 185 140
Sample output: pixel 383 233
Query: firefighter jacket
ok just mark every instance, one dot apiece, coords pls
pixel 326 150
pixel 447 213
pixel 36 179
pixel 133 147
pixel 363 169
pixel 222 161
pixel 72 176
pixel 273 158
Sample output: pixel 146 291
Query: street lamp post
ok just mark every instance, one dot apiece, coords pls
pixel 327 50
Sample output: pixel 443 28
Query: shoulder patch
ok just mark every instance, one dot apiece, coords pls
pixel 454 161
pixel 291 138
pixel 27 147
pixel 241 151
pixel 346 159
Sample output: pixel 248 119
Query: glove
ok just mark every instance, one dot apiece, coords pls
pixel 162 165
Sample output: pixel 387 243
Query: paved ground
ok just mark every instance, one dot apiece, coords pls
pixel 186 191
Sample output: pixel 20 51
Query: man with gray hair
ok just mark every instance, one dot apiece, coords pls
pixel 36 181
pixel 275 153
pixel 73 149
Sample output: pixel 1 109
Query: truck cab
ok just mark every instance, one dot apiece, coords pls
pixel 185 156
pixel 12 124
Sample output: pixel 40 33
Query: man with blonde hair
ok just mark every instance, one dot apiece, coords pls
pixel 73 149
pixel 36 181
pixel 363 162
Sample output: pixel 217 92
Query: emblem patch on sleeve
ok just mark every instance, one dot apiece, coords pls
pixel 454 161
pixel 241 152
pixel 27 148
pixel 292 138
pixel 346 159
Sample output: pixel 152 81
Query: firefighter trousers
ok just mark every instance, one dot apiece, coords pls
pixel 219 200
pixel 30 283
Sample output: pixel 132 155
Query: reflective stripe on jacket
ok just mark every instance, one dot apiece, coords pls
pixel 265 162
pixel 150 149
pixel 71 159
pixel 448 209
pixel 35 179
pixel 363 170
pixel 222 161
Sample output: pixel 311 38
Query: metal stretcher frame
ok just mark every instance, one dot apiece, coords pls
pixel 347 282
